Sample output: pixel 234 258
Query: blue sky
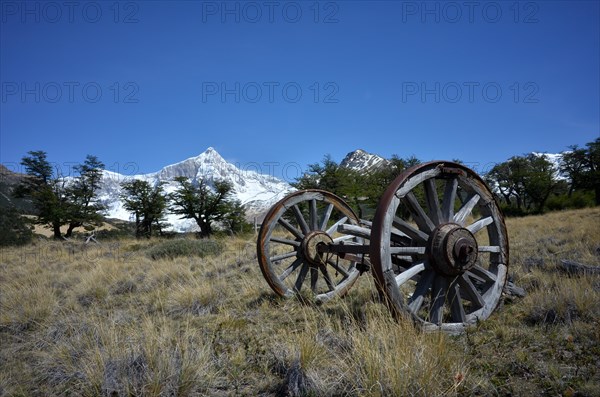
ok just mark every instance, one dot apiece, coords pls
pixel 276 85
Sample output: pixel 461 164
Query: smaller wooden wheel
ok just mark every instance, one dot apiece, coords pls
pixel 439 246
pixel 291 241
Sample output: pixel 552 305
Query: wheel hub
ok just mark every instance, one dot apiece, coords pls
pixel 310 246
pixel 452 249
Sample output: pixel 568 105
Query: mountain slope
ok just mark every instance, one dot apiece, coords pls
pixel 257 192
pixel 362 161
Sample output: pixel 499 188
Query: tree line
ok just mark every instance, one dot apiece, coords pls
pixel 524 184
pixel 73 201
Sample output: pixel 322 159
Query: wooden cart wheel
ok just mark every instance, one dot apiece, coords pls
pixel 288 243
pixel 439 246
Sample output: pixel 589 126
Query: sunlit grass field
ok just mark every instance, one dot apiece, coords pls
pixel 109 320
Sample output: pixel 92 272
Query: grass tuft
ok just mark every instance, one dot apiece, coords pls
pixel 172 249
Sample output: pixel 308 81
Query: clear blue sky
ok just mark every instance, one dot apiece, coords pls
pixel 143 84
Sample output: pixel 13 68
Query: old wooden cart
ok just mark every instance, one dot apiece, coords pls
pixel 437 246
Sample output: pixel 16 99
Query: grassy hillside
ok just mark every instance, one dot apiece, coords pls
pixel 109 320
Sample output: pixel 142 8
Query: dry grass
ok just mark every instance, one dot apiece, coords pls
pixel 107 320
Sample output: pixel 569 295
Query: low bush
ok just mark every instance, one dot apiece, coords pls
pixel 184 247
pixel 14 229
pixel 579 199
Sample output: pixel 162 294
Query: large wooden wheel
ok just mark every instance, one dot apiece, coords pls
pixel 439 246
pixel 291 241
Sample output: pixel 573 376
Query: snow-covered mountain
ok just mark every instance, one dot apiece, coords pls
pixel 257 192
pixel 362 161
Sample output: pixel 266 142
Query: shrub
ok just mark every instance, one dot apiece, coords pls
pixel 579 199
pixel 14 229
pixel 183 247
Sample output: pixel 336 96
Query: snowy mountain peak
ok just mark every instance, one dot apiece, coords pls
pixel 363 161
pixel 211 155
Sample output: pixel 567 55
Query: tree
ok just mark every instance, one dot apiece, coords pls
pixel 526 181
pixel 37 166
pixel 539 181
pixel 330 176
pixel 574 164
pixel 47 190
pixel 206 206
pixel 361 190
pixel 507 177
pixel 235 218
pixel 593 176
pixel 582 165
pixel 84 207
pixel 147 203
pixel 59 200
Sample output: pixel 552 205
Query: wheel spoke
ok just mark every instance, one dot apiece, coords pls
pixel 326 216
pixel 338 268
pixel 420 217
pixel 489 248
pixel 480 224
pixel 482 273
pixel 355 230
pixel 301 277
pixel 410 231
pixel 449 199
pixel 290 228
pixel 407 250
pixel 277 258
pixel 313 215
pixel 470 292
pixel 334 227
pixel 343 238
pixel 285 241
pixel 327 277
pixel 314 277
pixel 438 297
pixel 290 269
pixel 416 300
pixel 300 219
pixel 466 209
pixel 457 310
pixel 409 273
pixel 433 203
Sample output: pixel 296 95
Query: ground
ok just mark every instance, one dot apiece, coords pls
pixel 109 320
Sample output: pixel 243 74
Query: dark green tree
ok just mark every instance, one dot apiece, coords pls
pixel 84 208
pixel 330 176
pixel 525 182
pixel 361 190
pixel 574 164
pixel 46 189
pixel 37 166
pixel 539 181
pixel 593 176
pixel 508 178
pixel 206 206
pixel 147 204
pixel 59 200
pixel 582 165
